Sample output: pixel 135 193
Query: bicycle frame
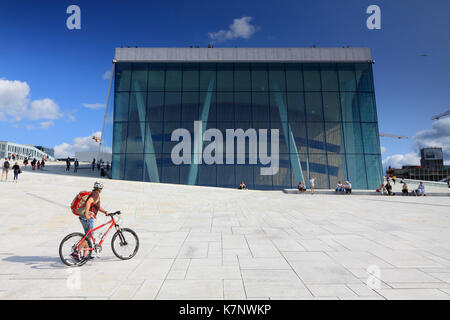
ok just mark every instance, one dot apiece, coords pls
pixel 112 223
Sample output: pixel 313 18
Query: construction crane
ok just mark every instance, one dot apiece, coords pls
pixel 388 135
pixel 97 139
pixel 441 115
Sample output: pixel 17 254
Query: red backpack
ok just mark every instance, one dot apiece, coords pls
pixel 79 202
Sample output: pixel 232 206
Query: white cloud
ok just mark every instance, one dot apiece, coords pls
pixel 399 160
pixel 383 150
pixel 43 109
pixel 240 28
pixel 16 104
pixel 437 136
pixel 46 124
pixel 106 75
pixel 94 105
pixel 65 149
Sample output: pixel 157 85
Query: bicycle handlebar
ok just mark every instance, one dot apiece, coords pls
pixel 112 214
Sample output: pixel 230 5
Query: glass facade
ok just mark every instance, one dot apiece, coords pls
pixel 324 113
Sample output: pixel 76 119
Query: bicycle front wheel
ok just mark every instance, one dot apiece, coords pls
pixel 72 250
pixel 125 244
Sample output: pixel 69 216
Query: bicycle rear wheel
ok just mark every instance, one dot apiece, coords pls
pixel 125 244
pixel 71 253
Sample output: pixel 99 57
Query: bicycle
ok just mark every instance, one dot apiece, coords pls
pixel 72 253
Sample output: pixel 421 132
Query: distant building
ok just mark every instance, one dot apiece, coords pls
pixel 431 167
pixel 89 155
pixel 49 151
pixel 22 151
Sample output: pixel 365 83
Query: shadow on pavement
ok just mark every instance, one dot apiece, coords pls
pixel 37 262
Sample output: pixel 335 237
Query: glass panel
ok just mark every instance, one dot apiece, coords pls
pixel 356 171
pixel 367 107
pixel 313 102
pixel 318 169
pixel 155 106
pixel 122 77
pixel 282 180
pixel 294 77
pixel 331 107
pixel 278 106
pixel 226 176
pixel 135 138
pixel 118 166
pixel 316 139
pixel 244 173
pixel 277 77
pixel 207 175
pixel 334 137
pixel 311 77
pixel 225 106
pixel 299 133
pixel 152 167
pixel 190 77
pixel 225 77
pixel 337 169
pixel 190 108
pixel 242 77
pixel 138 101
pixel 352 137
pixel 260 106
pixel 169 127
pixel 364 79
pixel 208 105
pixel 207 76
pixel 370 138
pixel 259 77
pixel 172 107
pixel 374 171
pixel 134 166
pixel 156 77
pixel 347 80
pixel 170 172
pixel 329 77
pixel 154 137
pixel 296 107
pixel 243 106
pixel 120 137
pixel 173 77
pixel 262 182
pixel 283 131
pixel 349 105
pixel 121 101
pixel 139 77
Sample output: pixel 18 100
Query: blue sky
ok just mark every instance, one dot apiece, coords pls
pixel 65 67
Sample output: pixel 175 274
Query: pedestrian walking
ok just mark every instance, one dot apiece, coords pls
pixel 5 169
pixel 76 164
pixel 38 165
pixel 93 164
pixel 68 164
pixel 17 171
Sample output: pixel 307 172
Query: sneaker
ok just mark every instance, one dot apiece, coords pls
pixel 88 258
pixel 75 256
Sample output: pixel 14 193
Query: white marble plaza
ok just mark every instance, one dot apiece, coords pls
pixel 213 243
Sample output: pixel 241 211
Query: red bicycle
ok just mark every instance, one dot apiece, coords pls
pixel 76 248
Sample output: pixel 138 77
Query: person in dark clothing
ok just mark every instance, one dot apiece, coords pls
pixel 68 164
pixel 93 164
pixel 16 169
pixel 405 189
pixel 389 189
pixel 76 164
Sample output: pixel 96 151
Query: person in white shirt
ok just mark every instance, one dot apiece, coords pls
pixel 339 187
pixel 348 187
pixel 311 184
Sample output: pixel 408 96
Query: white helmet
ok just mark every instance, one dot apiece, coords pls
pixel 98 185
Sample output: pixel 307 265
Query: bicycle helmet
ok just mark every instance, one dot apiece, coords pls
pixel 98 185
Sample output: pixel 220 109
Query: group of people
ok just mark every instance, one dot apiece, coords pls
pixel 5 170
pixel 34 163
pixel 341 188
pixel 386 189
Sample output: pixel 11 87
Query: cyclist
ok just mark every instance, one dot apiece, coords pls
pixel 88 213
